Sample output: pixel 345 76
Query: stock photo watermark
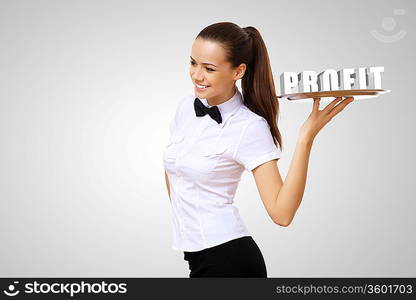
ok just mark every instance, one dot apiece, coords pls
pixel 391 33
pixel 63 288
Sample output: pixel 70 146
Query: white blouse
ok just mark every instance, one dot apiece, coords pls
pixel 204 161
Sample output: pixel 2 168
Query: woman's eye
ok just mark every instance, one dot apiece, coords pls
pixel 208 69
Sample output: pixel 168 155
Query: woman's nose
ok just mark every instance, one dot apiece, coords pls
pixel 197 75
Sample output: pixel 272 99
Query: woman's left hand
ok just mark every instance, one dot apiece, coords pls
pixel 319 118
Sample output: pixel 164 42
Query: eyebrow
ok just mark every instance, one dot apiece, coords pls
pixel 204 63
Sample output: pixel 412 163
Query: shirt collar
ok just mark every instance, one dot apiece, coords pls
pixel 227 108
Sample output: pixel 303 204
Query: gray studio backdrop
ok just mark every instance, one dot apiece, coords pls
pixel 87 91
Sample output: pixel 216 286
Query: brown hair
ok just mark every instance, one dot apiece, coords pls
pixel 245 45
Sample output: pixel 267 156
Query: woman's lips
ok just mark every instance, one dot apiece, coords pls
pixel 201 89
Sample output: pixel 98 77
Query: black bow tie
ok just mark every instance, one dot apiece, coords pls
pixel 202 110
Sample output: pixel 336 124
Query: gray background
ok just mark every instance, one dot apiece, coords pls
pixel 87 90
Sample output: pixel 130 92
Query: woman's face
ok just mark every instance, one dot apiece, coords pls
pixel 209 68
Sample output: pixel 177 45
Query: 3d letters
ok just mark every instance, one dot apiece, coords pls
pixel 331 80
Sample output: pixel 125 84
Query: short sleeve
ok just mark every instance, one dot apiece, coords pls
pixel 256 145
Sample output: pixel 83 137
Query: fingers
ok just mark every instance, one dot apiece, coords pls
pixel 339 107
pixel 331 105
pixel 316 102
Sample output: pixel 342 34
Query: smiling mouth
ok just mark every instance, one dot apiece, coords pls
pixel 201 87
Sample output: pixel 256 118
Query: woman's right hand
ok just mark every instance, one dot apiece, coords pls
pixel 319 118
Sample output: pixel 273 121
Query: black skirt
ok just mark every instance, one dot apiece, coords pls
pixel 239 257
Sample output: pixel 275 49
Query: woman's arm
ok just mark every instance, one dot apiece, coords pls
pixel 282 199
pixel 290 195
pixel 167 183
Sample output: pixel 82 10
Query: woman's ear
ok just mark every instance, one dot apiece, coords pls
pixel 241 69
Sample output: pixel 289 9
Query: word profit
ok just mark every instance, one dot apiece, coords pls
pixel 331 80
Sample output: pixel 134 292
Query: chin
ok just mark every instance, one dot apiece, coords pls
pixel 203 93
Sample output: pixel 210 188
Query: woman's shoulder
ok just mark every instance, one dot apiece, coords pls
pixel 185 98
pixel 184 102
pixel 247 116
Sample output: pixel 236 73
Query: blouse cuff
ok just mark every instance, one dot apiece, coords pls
pixel 262 159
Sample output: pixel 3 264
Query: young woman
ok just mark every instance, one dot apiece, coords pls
pixel 216 134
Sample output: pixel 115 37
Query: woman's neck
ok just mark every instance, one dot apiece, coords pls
pixel 215 101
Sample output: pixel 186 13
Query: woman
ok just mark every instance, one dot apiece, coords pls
pixel 216 134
